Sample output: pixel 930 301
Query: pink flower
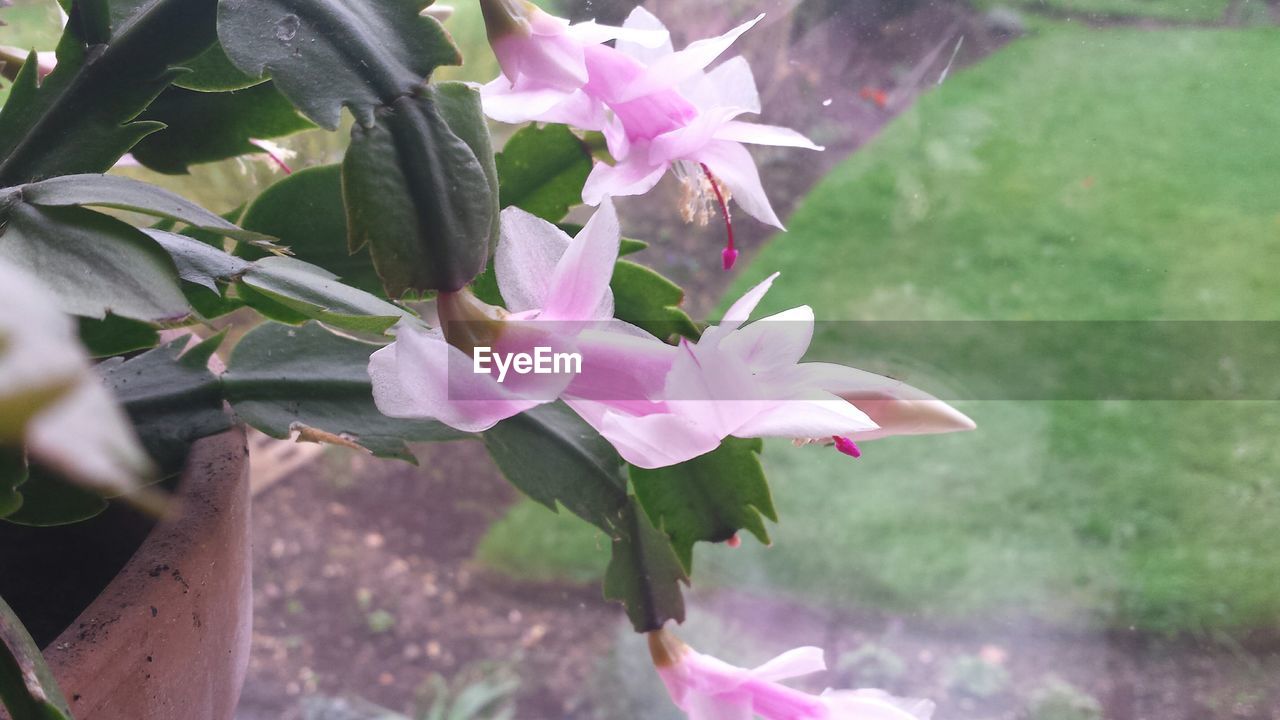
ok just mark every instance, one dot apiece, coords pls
pixel 544 64
pixel 747 381
pixel 707 688
pixel 702 140
pixel 658 108
pixel 557 296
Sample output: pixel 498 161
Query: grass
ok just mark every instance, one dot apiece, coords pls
pixel 1089 175
pixel 1171 10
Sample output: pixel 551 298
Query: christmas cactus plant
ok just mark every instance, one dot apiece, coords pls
pixel 425 288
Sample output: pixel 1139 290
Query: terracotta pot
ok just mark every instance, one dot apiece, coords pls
pixel 168 639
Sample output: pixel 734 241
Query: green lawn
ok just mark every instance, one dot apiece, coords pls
pixel 1174 10
pixel 1090 175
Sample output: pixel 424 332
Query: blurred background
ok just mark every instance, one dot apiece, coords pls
pixel 986 160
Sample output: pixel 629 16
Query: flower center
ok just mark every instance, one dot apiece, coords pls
pixel 703 195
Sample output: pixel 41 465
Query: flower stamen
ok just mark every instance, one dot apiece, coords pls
pixel 730 253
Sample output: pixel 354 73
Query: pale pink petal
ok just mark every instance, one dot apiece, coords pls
pixel 740 311
pixel 422 376
pixel 729 84
pixel 620 365
pixel 712 389
pixel 642 20
pixel 610 73
pixel 898 408
pixel 528 250
pixel 673 69
pixel 633 176
pixel 733 166
pixel 774 342
pixel 772 701
pixel 738 131
pixel 728 706
pixel 579 288
pixel 651 441
pixel 686 141
pixel 874 705
pixel 648 38
pixel 792 663
pixel 616 139
pixel 549 55
pixel 514 106
pixel 818 415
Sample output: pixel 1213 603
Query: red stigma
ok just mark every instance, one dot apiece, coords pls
pixel 847 446
pixel 734 541
pixel 730 254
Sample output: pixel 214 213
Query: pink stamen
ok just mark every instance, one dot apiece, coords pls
pixel 734 541
pixel 280 163
pixel 268 148
pixel 847 446
pixel 730 253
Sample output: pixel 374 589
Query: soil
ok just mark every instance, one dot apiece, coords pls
pixel 49 575
pixel 363 580
pixel 364 587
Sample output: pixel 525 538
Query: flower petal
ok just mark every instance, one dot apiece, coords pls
pixel 896 407
pixel 738 131
pixel 792 663
pixel 641 20
pixel 579 287
pixel 810 416
pixel 621 365
pixel 726 706
pixel 712 390
pixel 422 376
pixel 729 84
pixel 732 164
pixel 514 106
pixel 689 139
pixel 633 176
pixel 645 38
pixel 875 705
pixel 551 57
pixel 528 250
pixel 772 343
pixel 740 311
pixel 674 69
pixel 649 441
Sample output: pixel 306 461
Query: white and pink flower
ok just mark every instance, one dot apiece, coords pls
pixel 660 109
pixel 707 688
pixel 746 380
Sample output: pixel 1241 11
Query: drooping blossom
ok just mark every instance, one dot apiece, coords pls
pixel 659 109
pixel 746 380
pixel 707 688
pixel 557 296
